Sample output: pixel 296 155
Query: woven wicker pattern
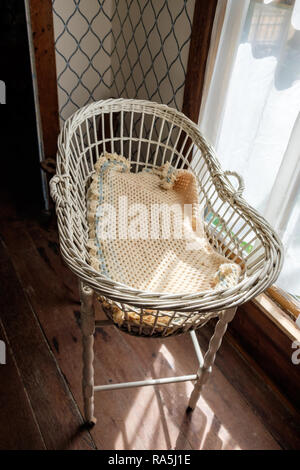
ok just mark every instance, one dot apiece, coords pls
pixel 233 228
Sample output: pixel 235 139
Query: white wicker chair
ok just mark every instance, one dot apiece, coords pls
pixel 150 134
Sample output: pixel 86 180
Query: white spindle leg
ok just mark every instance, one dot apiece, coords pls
pixel 88 329
pixel 210 356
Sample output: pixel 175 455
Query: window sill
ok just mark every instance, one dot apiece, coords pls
pixel 276 313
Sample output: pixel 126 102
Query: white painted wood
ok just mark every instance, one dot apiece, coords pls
pixel 88 325
pixel 197 348
pixel 144 383
pixel 210 356
pixel 88 329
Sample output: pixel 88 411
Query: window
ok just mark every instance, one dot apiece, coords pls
pixel 252 115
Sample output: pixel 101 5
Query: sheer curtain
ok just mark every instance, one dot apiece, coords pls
pixel 230 17
pixel 250 113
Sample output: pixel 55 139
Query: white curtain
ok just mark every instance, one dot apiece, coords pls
pixel 215 92
pixel 251 113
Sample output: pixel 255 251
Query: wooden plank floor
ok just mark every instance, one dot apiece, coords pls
pixel 40 386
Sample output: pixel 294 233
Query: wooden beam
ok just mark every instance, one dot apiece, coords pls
pixel 43 41
pixel 203 20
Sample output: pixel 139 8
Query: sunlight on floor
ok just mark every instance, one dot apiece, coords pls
pixel 164 433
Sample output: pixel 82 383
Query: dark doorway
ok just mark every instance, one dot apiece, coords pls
pixel 20 170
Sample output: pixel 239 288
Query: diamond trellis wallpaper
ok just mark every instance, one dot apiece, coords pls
pixel 121 48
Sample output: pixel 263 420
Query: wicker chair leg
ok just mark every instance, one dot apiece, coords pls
pixel 88 329
pixel 210 356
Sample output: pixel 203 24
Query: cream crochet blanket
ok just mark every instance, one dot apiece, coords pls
pixel 139 237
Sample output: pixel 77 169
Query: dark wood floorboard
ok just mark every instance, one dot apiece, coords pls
pixel 266 402
pixel 40 315
pixel 55 410
pixel 18 424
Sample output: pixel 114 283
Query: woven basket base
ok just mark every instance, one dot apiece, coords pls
pixel 131 320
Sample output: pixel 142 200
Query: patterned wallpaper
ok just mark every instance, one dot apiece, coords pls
pixel 121 48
